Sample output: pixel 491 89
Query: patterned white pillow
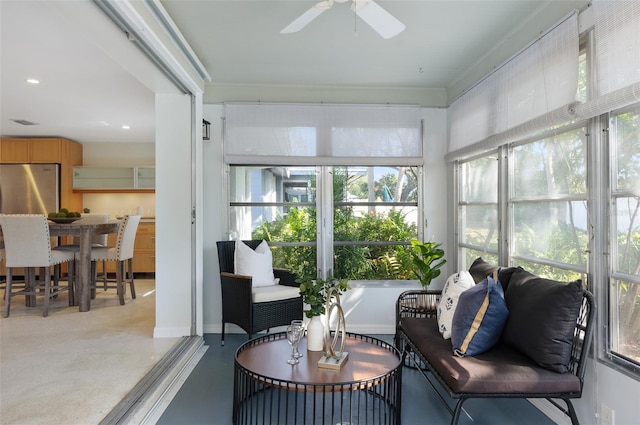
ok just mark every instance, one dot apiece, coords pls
pixel 456 284
pixel 258 264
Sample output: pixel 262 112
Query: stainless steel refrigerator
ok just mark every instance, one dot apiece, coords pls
pixel 29 188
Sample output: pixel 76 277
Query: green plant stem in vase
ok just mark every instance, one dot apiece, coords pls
pixel 314 293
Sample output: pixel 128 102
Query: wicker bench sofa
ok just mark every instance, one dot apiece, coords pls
pixel 503 371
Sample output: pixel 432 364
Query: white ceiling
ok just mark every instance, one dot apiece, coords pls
pixel 87 94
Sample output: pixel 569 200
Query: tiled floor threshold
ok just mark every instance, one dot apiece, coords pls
pixel 147 400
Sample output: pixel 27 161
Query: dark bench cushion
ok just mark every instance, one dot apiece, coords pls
pixel 501 370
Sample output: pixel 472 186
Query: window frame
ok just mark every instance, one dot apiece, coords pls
pixel 609 305
pixel 324 206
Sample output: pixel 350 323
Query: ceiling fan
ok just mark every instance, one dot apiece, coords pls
pixel 379 19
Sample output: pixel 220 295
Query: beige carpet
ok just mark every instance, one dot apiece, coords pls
pixel 71 367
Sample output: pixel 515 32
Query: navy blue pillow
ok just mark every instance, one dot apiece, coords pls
pixel 479 317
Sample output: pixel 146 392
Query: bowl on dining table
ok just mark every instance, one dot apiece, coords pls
pixel 64 220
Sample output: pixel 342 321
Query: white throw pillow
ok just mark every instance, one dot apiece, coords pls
pixel 258 264
pixel 456 284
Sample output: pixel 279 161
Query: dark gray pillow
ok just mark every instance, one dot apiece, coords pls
pixel 480 269
pixel 542 317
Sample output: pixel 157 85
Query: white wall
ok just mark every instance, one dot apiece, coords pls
pixel 604 385
pixel 119 154
pixel 215 213
pixel 173 215
pixel 435 185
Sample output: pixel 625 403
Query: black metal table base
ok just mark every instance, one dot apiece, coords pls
pixel 262 400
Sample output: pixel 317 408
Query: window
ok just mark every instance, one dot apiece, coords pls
pixel 568 199
pixel 353 222
pixel 624 291
pixel 548 206
pixel 478 210
pixel 276 203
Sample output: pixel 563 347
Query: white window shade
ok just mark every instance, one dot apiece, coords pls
pixel 617 33
pixel 310 134
pixel 539 80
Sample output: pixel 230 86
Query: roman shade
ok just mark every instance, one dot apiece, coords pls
pixel 322 134
pixel 541 80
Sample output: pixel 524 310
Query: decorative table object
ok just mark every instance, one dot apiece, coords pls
pixel 333 359
pixel 314 295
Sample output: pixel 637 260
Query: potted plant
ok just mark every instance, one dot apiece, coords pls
pixel 427 258
pixel 314 293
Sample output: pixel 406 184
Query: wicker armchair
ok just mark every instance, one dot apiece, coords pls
pixel 238 295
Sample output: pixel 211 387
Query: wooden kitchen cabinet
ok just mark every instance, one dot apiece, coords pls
pixel 47 151
pixel 144 249
pixel 37 151
pixel 15 151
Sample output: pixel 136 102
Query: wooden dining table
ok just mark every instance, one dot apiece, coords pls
pixel 85 231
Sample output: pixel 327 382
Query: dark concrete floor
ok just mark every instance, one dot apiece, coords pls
pixel 207 395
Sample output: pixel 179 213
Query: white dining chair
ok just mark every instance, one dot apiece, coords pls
pixel 3 278
pixel 27 244
pixel 122 254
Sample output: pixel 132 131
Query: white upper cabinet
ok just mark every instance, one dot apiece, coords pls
pixel 114 178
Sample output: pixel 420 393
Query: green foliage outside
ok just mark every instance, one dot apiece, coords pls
pixel 354 262
pixel 360 261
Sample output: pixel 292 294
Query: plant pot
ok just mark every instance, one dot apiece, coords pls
pixel 315 334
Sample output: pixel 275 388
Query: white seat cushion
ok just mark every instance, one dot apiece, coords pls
pixel 263 294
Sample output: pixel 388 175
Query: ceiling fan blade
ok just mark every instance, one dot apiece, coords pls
pixel 306 18
pixel 379 19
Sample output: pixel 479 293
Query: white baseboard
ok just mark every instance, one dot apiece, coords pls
pixel 377 329
pixel 551 411
pixel 169 332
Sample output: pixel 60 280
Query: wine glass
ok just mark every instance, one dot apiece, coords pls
pixel 293 337
pixel 298 324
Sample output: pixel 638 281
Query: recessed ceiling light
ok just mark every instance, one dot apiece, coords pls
pixel 33 81
pixel 125 127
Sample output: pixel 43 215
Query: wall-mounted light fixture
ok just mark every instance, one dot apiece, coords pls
pixel 206 128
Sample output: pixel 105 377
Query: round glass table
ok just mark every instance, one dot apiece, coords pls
pixel 365 390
